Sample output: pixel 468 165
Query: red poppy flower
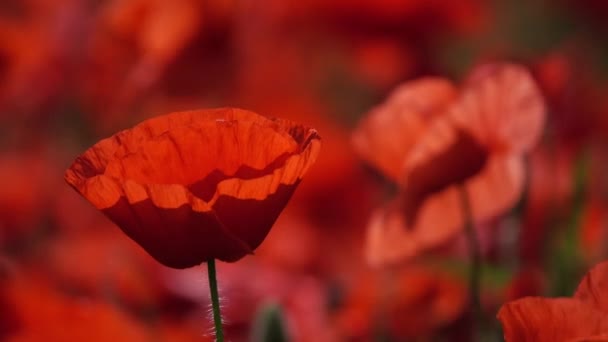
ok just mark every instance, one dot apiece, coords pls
pixel 581 318
pixel 198 185
pixel 476 141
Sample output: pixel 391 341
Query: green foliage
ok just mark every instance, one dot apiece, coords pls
pixel 269 325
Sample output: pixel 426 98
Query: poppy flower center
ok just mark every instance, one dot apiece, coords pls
pixel 463 159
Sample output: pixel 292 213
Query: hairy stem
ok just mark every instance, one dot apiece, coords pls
pixel 215 301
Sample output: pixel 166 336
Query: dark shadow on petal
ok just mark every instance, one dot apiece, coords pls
pixel 177 238
pixel 462 160
pixel 252 219
pixel 205 188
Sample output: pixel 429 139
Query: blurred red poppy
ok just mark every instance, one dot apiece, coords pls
pixel 132 45
pixel 41 313
pixel 550 188
pixel 592 230
pixel 581 318
pixel 412 303
pixel 528 281
pixel 198 185
pixel 23 203
pixel 101 262
pixel 476 142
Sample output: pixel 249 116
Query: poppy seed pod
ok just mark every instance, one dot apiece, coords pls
pixel 198 185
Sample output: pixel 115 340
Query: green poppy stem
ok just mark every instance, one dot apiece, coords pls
pixel 475 256
pixel 215 301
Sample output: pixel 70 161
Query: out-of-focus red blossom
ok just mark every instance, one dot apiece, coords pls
pixel 474 138
pixel 26 185
pixel 594 219
pixel 9 324
pixel 73 215
pixel 597 168
pixel 295 244
pixel 41 315
pixel 554 72
pixel 200 185
pixel 247 285
pixel 575 96
pixel 527 282
pixel 584 317
pixel 382 62
pixel 462 16
pixel 138 46
pixel 549 194
pixel 32 310
pixel 35 49
pixel 409 303
pixel 182 332
pixel 137 39
pixel 594 230
pixel 101 263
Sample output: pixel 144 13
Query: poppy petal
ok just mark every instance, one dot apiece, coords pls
pixel 594 286
pixel 502 107
pixel 557 319
pixel 391 240
pixel 204 154
pixel 94 161
pixel 385 136
pixel 497 187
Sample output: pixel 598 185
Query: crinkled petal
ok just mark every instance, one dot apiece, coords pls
pixel 131 141
pixel 547 320
pixel 204 154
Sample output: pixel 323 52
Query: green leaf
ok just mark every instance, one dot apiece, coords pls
pixel 269 324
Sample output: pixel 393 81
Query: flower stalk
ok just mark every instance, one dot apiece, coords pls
pixel 475 257
pixel 215 300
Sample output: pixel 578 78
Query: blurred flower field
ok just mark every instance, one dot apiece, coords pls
pixel 458 191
